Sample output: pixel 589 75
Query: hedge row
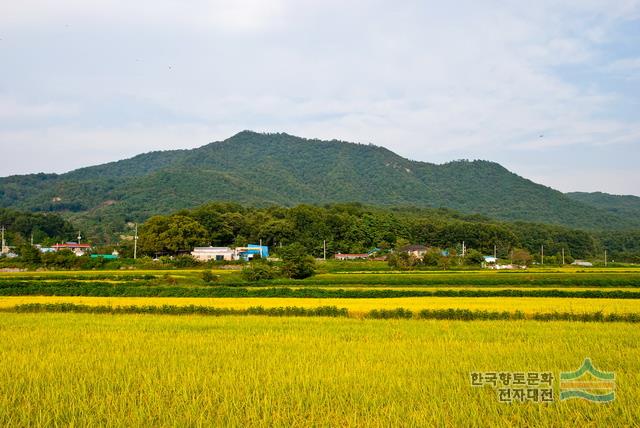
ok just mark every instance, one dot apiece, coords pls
pixel 468 315
pixel 289 311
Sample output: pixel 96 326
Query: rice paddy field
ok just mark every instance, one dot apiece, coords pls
pixel 61 367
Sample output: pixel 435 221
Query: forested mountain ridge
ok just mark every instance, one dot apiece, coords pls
pixel 280 169
pixel 626 205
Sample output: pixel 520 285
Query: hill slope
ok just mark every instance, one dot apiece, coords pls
pixel 263 169
pixel 625 205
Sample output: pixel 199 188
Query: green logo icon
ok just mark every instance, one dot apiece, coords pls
pixel 588 383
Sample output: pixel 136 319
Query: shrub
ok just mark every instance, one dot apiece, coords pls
pixel 169 279
pixel 473 257
pixel 208 276
pixel 297 264
pixel 258 270
pixel 185 261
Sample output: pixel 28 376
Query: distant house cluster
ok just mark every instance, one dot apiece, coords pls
pixel 75 247
pixel 247 253
pixel 358 256
pixel 343 256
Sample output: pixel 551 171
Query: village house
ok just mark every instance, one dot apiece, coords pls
pixel 415 250
pixel 247 253
pixel 206 254
pixel 489 261
pixel 74 247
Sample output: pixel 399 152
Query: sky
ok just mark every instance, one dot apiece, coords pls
pixel 549 89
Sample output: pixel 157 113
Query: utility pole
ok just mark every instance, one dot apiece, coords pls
pixel 563 256
pixel 32 239
pixel 542 254
pixel 462 248
pixel 135 243
pixel 4 244
pixel 79 237
pixel 605 258
pixel 495 251
pixel 324 249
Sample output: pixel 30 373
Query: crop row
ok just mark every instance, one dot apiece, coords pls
pixel 521 280
pixel 333 280
pixel 119 290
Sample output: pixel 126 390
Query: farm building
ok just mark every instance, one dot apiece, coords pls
pixel 225 253
pixel 252 250
pixel 213 253
pixel 489 261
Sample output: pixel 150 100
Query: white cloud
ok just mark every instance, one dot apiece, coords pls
pixel 627 68
pixel 14 109
pixel 70 148
pixel 226 15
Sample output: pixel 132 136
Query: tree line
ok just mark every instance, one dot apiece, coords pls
pixel 353 228
pixel 346 228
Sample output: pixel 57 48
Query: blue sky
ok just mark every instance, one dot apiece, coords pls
pixel 551 90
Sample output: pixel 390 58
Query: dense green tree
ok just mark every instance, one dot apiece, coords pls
pixel 171 235
pixel 296 262
pixel 521 256
pixel 473 257
pixel 30 254
pixel 259 270
pixel 432 257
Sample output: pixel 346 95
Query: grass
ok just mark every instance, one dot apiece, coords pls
pixel 149 370
pixel 527 305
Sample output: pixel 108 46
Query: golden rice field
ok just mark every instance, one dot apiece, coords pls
pixel 527 305
pixel 146 370
pixel 74 369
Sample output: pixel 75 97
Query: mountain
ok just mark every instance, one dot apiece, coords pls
pixel 265 169
pixel 625 205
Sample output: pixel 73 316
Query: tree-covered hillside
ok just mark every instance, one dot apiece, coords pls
pixel 625 205
pixel 280 169
pixel 47 228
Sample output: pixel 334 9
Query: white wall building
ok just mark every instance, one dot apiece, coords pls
pixel 582 263
pixel 213 253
